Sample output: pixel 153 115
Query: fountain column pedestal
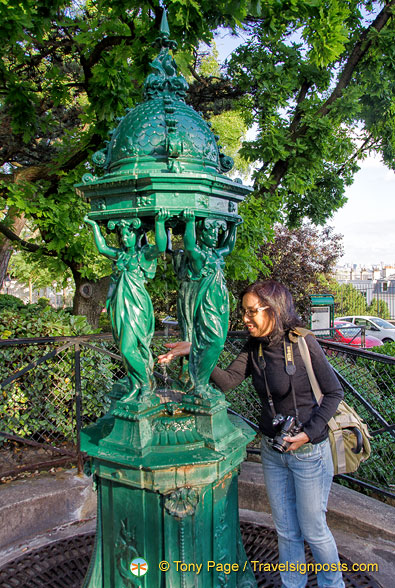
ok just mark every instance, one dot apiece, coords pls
pixel 168 496
pixel 166 473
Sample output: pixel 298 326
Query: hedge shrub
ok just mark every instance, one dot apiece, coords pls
pixel 41 403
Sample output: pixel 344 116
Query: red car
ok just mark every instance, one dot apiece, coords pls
pixel 351 335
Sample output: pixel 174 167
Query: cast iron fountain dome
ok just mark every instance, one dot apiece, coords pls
pixel 163 126
pixel 162 154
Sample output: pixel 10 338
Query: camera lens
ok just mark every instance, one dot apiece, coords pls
pixel 279 444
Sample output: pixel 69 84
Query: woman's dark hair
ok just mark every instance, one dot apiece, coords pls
pixel 281 306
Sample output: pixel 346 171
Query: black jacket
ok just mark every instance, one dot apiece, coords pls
pixel 313 417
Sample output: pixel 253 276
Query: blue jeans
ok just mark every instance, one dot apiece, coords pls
pixel 298 484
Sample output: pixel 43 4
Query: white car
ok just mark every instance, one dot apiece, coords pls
pixel 375 326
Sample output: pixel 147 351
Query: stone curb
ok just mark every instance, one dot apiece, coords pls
pixel 30 507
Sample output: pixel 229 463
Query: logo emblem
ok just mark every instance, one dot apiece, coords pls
pixel 139 567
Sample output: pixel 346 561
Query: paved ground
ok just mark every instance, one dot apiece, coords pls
pixel 49 507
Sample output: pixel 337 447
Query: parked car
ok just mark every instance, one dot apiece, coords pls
pixel 375 326
pixel 346 333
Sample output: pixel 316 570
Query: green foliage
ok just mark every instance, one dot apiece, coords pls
pixel 244 262
pixel 385 374
pixel 104 323
pixel 163 290
pixel 348 299
pixel 231 128
pixel 379 308
pixel 9 301
pixel 209 64
pixel 38 320
pixel 43 302
pixel 316 78
pixel 374 380
pixel 40 403
pixel 28 268
pixel 318 81
pixel 387 348
pixel 356 372
pixel 67 72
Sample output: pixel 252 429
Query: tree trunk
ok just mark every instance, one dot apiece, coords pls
pixel 90 298
pixel 6 248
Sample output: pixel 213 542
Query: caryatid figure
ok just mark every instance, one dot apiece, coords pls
pixel 129 305
pixel 209 300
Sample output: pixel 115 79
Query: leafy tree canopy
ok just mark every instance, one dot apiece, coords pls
pixel 318 81
pixel 67 71
pixel 316 78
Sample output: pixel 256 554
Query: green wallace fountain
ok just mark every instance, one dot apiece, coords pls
pixel 166 470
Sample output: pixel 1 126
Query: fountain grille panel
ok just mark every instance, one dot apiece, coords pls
pixel 63 564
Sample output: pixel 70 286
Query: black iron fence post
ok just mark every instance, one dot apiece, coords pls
pixel 363 337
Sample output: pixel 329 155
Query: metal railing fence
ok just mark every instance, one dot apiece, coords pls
pixel 51 387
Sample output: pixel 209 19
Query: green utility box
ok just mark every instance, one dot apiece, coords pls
pixel 322 313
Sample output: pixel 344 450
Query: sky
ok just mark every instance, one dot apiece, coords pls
pixel 367 220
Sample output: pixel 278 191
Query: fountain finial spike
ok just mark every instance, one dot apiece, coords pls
pixel 164 25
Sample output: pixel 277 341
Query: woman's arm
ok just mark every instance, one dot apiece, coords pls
pixel 101 244
pixel 234 374
pixel 226 379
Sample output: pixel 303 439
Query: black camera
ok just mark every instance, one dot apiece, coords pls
pixel 289 428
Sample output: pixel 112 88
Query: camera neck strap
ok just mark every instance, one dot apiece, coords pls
pixel 290 368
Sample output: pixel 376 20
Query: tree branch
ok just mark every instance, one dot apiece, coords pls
pixel 33 247
pixel 298 111
pixel 359 51
pixel 35 60
pixel 365 145
pixel 197 76
pixel 357 54
pixel 103 45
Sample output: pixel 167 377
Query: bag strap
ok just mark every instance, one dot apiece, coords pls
pixel 305 353
pixel 336 431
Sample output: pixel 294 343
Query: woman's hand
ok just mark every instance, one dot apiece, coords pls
pixel 179 349
pixel 297 441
